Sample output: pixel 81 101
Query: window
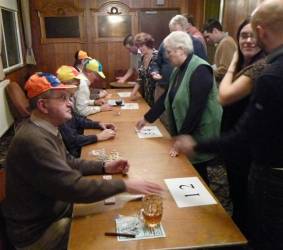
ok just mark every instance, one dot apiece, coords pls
pixel 11 52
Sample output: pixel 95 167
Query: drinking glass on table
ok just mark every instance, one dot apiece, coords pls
pixel 152 210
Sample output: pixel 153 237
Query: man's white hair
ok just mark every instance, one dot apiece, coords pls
pixel 179 40
pixel 178 20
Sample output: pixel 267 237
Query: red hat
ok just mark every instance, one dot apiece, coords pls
pixel 41 82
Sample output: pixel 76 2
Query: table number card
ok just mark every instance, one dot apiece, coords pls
pixel 124 94
pixel 130 105
pixel 189 192
pixel 149 132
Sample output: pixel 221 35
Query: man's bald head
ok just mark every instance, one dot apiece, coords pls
pixel 269 15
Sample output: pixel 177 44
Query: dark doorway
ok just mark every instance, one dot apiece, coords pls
pixel 155 22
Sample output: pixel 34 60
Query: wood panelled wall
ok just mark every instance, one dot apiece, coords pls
pixel 112 54
pixel 235 12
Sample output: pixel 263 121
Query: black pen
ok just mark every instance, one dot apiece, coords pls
pixel 120 234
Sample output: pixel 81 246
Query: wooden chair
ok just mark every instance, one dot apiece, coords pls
pixel 18 102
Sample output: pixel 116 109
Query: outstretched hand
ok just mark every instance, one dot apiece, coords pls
pixel 142 187
pixel 140 124
pixel 185 144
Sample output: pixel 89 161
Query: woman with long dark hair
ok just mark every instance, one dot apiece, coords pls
pixel 234 92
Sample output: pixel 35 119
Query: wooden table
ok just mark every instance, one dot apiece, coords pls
pixel 191 227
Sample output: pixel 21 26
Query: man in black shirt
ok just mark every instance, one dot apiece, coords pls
pixel 261 129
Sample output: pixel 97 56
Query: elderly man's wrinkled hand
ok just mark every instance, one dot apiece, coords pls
pixel 117 167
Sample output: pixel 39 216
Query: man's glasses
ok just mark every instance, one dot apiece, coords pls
pixel 63 98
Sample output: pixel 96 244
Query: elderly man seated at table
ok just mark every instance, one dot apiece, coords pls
pixel 191 100
pixel 84 105
pixel 43 180
pixel 72 130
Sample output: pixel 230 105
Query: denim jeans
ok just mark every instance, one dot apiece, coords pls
pixel 266 207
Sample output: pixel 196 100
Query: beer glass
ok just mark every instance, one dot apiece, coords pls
pixel 152 209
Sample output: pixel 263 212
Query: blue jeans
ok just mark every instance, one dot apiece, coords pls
pixel 266 207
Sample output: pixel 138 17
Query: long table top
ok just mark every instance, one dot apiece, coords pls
pixel 190 227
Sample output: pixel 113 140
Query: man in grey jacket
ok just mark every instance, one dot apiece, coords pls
pixel 43 180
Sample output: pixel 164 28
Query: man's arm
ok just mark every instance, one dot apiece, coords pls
pixel 83 122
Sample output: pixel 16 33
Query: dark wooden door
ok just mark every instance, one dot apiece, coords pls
pixel 156 23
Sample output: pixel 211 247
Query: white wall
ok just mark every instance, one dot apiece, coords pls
pixel 9 4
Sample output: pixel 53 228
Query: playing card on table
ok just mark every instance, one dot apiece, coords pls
pixel 149 132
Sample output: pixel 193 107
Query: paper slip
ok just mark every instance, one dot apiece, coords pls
pixel 149 132
pixel 130 105
pixel 112 102
pixel 132 83
pixel 100 207
pixel 133 225
pixel 124 94
pixel 189 192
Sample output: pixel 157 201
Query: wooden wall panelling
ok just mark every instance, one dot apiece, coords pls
pixel 196 8
pixel 235 12
pixel 61 10
pixel 112 55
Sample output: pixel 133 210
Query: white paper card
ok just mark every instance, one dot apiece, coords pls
pixel 149 132
pixel 189 192
pixel 124 94
pixel 133 225
pixel 130 105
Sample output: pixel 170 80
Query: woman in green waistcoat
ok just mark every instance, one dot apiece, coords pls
pixel 191 100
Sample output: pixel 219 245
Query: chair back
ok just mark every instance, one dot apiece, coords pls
pixel 18 102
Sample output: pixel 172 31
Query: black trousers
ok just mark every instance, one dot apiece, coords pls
pixel 265 198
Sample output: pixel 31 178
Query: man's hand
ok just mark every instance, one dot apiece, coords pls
pixel 99 101
pixel 102 93
pixel 173 152
pixel 142 187
pixel 156 76
pixel 106 107
pixel 185 144
pixel 116 167
pixel 108 126
pixel 106 135
pixel 140 124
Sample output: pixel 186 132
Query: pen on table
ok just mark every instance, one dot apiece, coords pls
pixel 119 234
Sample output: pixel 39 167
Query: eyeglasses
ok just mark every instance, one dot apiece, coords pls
pixel 246 35
pixel 63 98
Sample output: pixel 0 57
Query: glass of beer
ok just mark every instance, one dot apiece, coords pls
pixel 152 209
